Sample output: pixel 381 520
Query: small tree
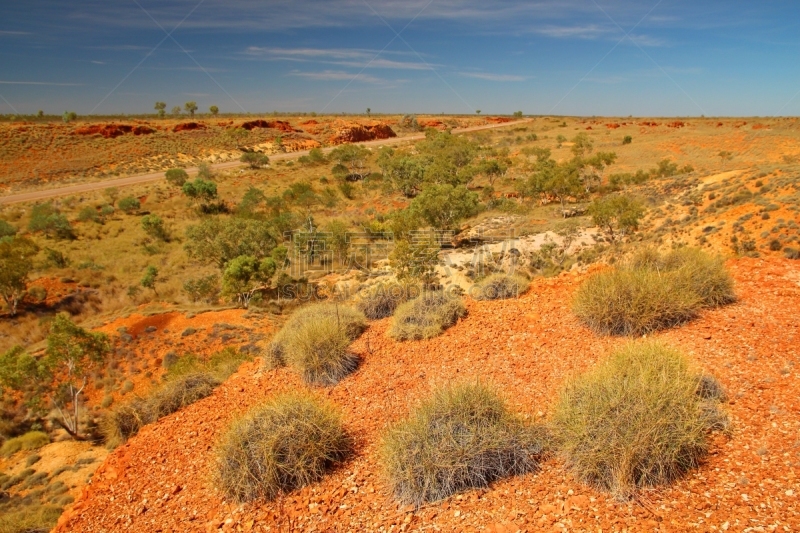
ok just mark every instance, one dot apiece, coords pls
pixel 150 278
pixel 244 276
pixel 518 114
pixel 214 110
pixel 176 177
pixel 415 261
pixel 353 159
pixel 190 107
pixel 445 206
pixel 200 190
pixel 627 139
pixel 112 193
pixel 154 226
pixel 18 369
pixel 72 354
pixel 254 159
pixel 16 264
pixel 161 108
pixel 6 229
pixel 616 215
pixel 176 110
pixel 129 204
pixel 47 219
pixel 369 111
pixel 69 116
pixel 478 111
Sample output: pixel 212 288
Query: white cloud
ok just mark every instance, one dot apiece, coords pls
pixel 54 84
pixel 336 75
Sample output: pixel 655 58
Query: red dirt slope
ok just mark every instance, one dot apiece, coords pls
pixel 160 481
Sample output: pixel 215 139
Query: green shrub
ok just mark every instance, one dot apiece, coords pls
pixel 351 320
pixel 381 300
pixel 499 287
pixel 32 440
pixel 88 214
pixel 462 438
pixel 427 316
pixel 6 229
pixel 281 446
pixel 47 219
pixel 176 177
pixel 637 419
pixel 129 204
pixel 653 292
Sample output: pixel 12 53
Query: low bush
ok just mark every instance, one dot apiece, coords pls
pixel 126 420
pixel 315 341
pixel 381 300
pixel 32 440
pixel 427 316
pixel 29 519
pixel 462 438
pixel 499 287
pixel 637 419
pixel 653 292
pixel 283 445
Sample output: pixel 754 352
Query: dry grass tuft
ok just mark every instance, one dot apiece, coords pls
pixel 427 316
pixel 284 445
pixel 382 300
pixel 500 287
pixel 315 341
pixel 33 440
pixel 635 420
pixel 653 292
pixel 126 420
pixel 462 438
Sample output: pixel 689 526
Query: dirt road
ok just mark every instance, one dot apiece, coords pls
pixel 155 176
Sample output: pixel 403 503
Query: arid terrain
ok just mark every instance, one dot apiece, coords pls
pixel 149 266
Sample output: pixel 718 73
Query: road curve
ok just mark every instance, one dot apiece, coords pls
pixel 155 176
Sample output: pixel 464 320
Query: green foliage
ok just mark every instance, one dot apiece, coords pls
pixel 627 139
pixel 254 159
pixel 445 206
pixel 517 114
pixel 18 369
pixel 214 110
pixel 6 229
pixel 56 258
pixel 665 169
pixel 200 190
pixel 499 287
pixel 427 316
pixel 336 238
pixel 653 292
pixel 617 215
pixel 636 420
pixel 69 116
pixel 245 275
pixel 415 261
pixel 47 219
pixel 205 288
pixel 129 204
pixel 353 159
pixel 283 445
pixel 463 438
pixel 177 177
pixel 301 194
pixel 190 107
pixel 153 225
pixel 150 278
pixel 218 240
pixel 16 264
pixel 70 345
pixel 160 107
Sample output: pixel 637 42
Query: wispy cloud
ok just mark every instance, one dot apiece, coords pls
pixel 336 75
pixel 494 77
pixel 54 84
pixel 588 31
pixel 345 57
pixel 13 33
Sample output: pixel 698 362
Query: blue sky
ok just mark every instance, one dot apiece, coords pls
pixel 570 57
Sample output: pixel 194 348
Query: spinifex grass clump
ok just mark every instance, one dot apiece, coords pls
pixel 638 419
pixel 283 445
pixel 653 292
pixel 462 438
pixel 315 341
pixel 427 316
pixel 382 300
pixel 500 287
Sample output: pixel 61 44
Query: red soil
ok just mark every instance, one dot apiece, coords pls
pixel 189 126
pixel 160 480
pixel 355 133
pixel 438 124
pixel 275 124
pixel 111 131
pixel 498 120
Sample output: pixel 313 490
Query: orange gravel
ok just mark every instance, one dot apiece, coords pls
pixel 161 479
